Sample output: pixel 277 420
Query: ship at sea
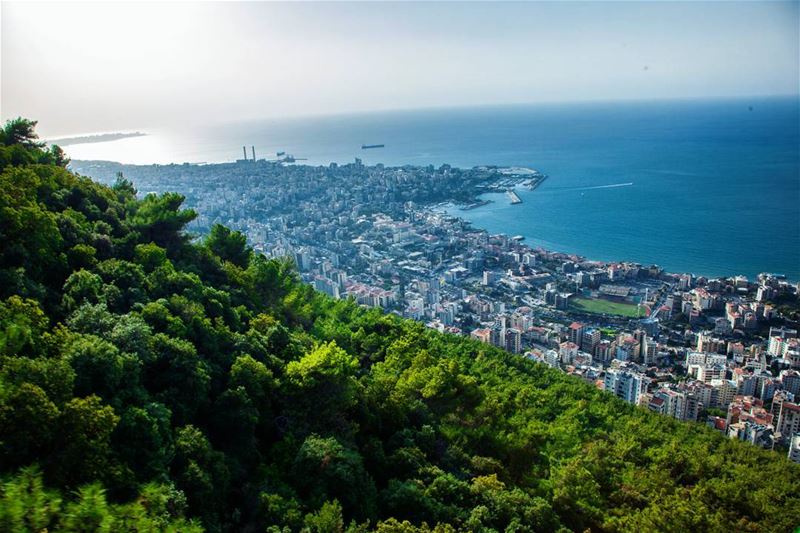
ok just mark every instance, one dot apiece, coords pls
pixel 368 146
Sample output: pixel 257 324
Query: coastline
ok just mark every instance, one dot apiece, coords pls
pixel 94 138
pixel 703 168
pixel 442 208
pixel 578 257
pixel 498 180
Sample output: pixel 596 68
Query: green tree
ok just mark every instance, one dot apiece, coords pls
pixel 82 287
pixel 58 156
pixel 325 469
pixel 159 219
pixel 26 505
pixel 323 381
pixel 228 245
pixel 101 369
pixel 21 131
pixel 150 256
pixel 91 513
pixel 177 376
pixel 143 440
pixel 27 424
pixel 256 379
pixel 201 474
pixel 328 519
pixel 22 324
pixel 53 376
pixel 84 441
pixel 234 423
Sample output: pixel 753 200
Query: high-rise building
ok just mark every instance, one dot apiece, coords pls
pixel 649 351
pixel 513 340
pixel 790 381
pixel 552 358
pixel 723 391
pixel 789 419
pixel 576 330
pixel 794 448
pixel 778 340
pixel 628 348
pixel 625 384
pixel 606 350
pixel 590 339
pixel 568 350
pixel 702 358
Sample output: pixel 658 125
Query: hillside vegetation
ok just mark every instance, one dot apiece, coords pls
pixel 152 383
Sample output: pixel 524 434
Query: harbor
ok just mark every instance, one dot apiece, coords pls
pixel 533 183
pixel 513 196
pixel 476 205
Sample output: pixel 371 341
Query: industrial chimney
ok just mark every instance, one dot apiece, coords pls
pixel 254 153
pixel 244 151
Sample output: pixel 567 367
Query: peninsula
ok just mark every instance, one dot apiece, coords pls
pixel 98 138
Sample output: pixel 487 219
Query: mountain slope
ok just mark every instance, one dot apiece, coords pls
pixel 148 382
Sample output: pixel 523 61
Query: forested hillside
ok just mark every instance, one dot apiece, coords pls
pixel 149 383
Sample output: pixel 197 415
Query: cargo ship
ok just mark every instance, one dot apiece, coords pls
pixel 368 146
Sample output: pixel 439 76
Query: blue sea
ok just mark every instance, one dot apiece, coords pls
pixel 709 187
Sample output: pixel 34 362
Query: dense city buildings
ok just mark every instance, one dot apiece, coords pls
pixel 723 351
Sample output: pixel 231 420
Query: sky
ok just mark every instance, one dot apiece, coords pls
pixel 101 67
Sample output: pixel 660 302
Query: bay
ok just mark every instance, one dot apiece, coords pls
pixel 704 186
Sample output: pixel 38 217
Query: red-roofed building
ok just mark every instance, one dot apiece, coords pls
pixel 482 334
pixel 576 332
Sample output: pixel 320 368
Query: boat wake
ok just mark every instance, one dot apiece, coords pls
pixel 611 186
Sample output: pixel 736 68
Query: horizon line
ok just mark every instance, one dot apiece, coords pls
pixel 435 107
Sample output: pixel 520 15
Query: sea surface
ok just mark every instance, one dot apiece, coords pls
pixel 709 187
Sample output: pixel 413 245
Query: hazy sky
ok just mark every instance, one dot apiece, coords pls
pixel 87 67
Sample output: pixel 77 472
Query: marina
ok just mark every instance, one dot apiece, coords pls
pixel 475 205
pixel 533 183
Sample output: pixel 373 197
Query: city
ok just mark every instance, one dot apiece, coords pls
pixel 400 267
pixel 724 352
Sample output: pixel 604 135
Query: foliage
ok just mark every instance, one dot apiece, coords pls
pixel 27 505
pixel 149 382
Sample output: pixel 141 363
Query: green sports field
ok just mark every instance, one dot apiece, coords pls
pixel 599 306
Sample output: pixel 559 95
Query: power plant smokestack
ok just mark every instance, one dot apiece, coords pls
pixel 254 153
pixel 244 151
